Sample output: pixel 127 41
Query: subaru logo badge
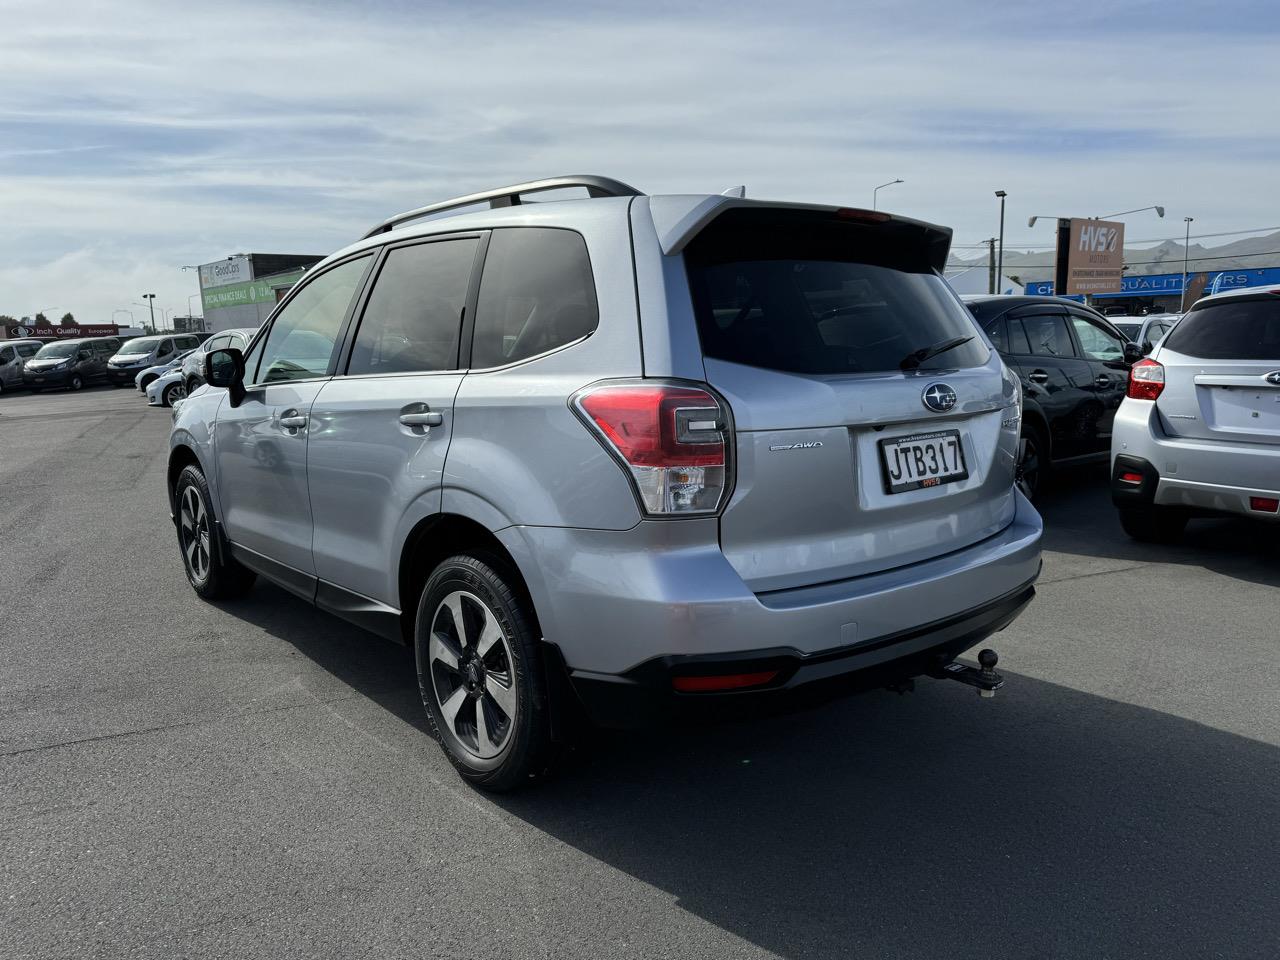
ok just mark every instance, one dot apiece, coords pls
pixel 939 397
pixel 1272 377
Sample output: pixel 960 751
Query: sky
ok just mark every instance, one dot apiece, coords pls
pixel 137 137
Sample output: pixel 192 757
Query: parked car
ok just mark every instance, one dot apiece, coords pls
pixel 1073 365
pixel 70 363
pixel 631 455
pixel 141 352
pixel 1199 431
pixel 1146 331
pixel 146 376
pixel 167 389
pixel 13 354
pixel 192 366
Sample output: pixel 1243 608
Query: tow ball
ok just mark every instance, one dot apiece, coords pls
pixel 983 676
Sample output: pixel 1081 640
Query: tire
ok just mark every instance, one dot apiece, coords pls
pixel 212 574
pixel 75 383
pixel 1154 524
pixel 505 686
pixel 1033 471
pixel 174 391
pixel 146 382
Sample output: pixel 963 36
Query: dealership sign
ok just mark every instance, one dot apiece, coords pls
pixel 47 331
pixel 248 294
pixel 1094 256
pixel 223 272
pixel 1165 284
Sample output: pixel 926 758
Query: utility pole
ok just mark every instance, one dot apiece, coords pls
pixel 1000 262
pixel 1186 252
pixel 991 265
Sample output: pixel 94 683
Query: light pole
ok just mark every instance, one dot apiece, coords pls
pixel 1186 249
pixel 151 302
pixel 1000 261
pixel 876 191
pixel 1044 216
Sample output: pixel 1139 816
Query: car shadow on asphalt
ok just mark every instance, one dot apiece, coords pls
pixel 1047 822
pixel 1080 519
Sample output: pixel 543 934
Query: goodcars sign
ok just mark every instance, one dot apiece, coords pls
pixel 1094 256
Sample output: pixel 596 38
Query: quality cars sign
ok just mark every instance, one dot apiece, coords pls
pixel 1094 256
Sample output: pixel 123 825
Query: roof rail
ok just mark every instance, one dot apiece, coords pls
pixel 510 196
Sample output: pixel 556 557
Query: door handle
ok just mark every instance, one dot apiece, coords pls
pixel 1038 376
pixel 423 418
pixel 1103 380
pixel 293 420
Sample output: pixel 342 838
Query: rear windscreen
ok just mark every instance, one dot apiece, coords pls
pixel 1231 329
pixel 827 299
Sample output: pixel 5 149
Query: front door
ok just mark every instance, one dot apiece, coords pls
pixel 1104 352
pixel 381 428
pixel 260 446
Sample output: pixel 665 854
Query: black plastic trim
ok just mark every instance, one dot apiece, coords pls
pixel 282 575
pixel 362 611
pixel 1133 494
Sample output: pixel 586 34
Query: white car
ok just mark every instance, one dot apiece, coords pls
pixel 1198 433
pixel 165 389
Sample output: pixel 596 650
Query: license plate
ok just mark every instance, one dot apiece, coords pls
pixel 922 460
pixel 39 379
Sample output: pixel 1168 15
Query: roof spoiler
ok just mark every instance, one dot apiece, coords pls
pixel 678 219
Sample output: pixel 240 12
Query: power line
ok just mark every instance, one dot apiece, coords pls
pixel 1174 261
pixel 1194 236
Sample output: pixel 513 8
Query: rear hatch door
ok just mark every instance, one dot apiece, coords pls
pixel 1222 371
pixel 856 452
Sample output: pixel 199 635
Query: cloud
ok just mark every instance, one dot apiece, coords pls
pixel 138 137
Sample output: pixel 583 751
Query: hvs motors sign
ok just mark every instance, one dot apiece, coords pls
pixel 1095 256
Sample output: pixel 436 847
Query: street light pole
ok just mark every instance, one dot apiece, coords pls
pixel 1186 249
pixel 876 191
pixel 1000 261
pixel 151 302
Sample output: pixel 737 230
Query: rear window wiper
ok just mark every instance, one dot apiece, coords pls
pixel 917 357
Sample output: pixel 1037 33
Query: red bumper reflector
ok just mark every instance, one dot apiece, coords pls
pixel 727 681
pixel 1131 477
pixel 1265 504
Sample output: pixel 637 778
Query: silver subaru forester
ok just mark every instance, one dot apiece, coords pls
pixel 620 456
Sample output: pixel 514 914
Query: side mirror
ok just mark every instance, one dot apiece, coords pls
pixel 225 368
pixel 1133 353
pixel 84 355
pixel 1147 347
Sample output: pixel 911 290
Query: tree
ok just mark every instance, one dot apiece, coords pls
pixel 41 318
pixel 68 320
pixel 5 319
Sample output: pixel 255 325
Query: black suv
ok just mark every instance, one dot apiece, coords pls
pixel 1074 367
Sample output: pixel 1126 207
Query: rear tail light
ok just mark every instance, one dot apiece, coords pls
pixel 673 440
pixel 1264 504
pixel 1130 477
pixel 724 681
pixel 1146 380
pixel 862 216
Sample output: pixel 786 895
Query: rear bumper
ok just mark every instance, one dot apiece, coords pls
pixel 1205 476
pixel 617 602
pixel 645 696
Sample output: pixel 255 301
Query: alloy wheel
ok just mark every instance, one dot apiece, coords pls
pixel 193 531
pixel 472 674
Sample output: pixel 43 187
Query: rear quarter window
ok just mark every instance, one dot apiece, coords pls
pixel 1231 329
pixel 536 294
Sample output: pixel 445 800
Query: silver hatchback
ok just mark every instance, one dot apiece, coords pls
pixel 1199 432
pixel 624 456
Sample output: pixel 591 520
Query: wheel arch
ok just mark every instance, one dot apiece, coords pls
pixel 437 537
pixel 1033 415
pixel 180 457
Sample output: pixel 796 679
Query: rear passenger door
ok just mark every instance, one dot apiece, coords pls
pixel 381 428
pixel 1044 353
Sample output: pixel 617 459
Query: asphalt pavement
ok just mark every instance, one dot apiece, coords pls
pixel 254 779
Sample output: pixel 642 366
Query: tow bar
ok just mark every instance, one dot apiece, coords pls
pixel 983 676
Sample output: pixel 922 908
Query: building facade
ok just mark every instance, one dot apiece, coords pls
pixel 1162 292
pixel 242 290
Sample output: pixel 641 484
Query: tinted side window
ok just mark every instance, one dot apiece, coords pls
pixel 6 355
pixel 217 343
pixel 413 319
pixel 103 349
pixel 537 294
pixel 1096 343
pixel 1048 336
pixel 996 334
pixel 300 343
pixel 26 350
